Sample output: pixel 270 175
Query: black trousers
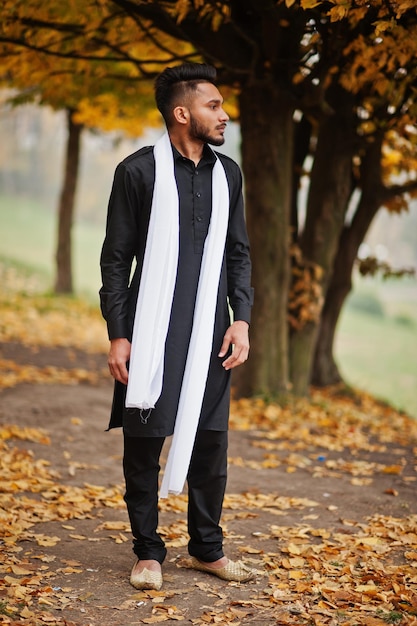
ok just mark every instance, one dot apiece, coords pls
pixel 206 480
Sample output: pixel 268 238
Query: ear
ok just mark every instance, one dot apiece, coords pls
pixel 181 115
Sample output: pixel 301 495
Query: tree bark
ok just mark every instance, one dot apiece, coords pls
pixel 267 141
pixel 63 256
pixel 330 189
pixel 325 370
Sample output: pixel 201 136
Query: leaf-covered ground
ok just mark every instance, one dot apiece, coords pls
pixel 321 499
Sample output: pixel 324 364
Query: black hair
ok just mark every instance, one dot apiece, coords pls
pixel 175 84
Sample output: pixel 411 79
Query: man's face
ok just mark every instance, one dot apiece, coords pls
pixel 207 117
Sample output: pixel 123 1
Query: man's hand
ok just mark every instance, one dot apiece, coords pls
pixel 119 355
pixel 237 335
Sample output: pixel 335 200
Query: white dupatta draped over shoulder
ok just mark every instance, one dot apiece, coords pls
pixel 154 304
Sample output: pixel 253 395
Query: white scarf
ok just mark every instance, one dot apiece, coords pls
pixel 154 304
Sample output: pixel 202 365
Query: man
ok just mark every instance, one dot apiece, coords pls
pixel 177 209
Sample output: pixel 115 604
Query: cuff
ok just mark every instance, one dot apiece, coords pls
pixel 242 312
pixel 117 329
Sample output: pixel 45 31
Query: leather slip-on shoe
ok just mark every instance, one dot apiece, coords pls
pixel 235 571
pixel 146 579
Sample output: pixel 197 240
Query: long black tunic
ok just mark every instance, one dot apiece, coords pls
pixel 127 225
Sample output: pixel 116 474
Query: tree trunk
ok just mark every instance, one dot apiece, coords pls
pixel 325 370
pixel 330 188
pixel 267 140
pixel 63 256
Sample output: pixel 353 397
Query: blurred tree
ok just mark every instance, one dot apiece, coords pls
pixel 92 95
pixel 310 76
pixel 373 105
pixel 385 155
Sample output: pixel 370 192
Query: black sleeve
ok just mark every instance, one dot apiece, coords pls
pixel 118 252
pixel 238 260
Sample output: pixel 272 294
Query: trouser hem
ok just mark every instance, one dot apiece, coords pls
pixel 149 555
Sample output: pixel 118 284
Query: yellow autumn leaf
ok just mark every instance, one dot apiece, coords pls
pixel 250 550
pixel 71 570
pixel 411 555
pixel 42 540
pixel 293 548
pixel 12 431
pixel 338 12
pixel 359 482
pixel 393 469
pixel 369 620
pixel 309 4
pixel 20 571
pixel 10 580
pixel 26 613
pixel 368 541
pixel 120 538
pixel 114 525
pixel 369 589
pixel 78 537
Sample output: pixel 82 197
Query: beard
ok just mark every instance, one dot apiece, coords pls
pixel 201 132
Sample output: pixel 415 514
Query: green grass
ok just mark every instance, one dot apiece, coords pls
pixel 27 233
pixel 376 345
pixel 28 237
pixel 378 352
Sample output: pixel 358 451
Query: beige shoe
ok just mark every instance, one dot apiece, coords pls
pixel 234 570
pixel 146 579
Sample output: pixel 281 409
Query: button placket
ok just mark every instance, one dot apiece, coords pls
pixel 198 218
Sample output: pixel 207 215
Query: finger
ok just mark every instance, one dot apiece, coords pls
pixel 119 371
pixel 225 346
pixel 238 357
pixel 123 375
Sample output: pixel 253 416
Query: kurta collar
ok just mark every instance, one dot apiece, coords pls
pixel 208 158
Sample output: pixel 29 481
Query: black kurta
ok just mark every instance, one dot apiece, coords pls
pixel 128 220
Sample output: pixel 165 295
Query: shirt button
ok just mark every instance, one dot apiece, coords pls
pixel 196 172
pixel 199 219
pixel 198 194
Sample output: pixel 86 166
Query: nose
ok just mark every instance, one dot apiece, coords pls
pixel 223 115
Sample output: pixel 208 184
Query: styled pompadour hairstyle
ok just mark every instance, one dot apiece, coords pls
pixel 175 84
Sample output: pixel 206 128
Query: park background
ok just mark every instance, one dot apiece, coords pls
pixel 376 342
